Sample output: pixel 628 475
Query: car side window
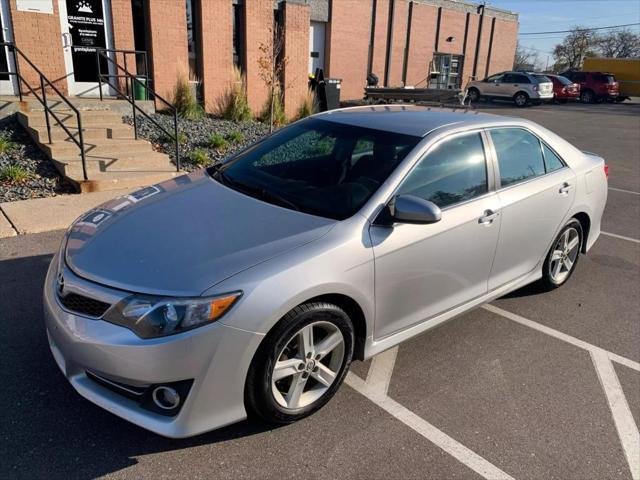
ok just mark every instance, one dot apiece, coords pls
pixel 495 78
pixel 452 172
pixel 519 155
pixel 508 78
pixel 551 160
pixel 579 77
pixel 521 79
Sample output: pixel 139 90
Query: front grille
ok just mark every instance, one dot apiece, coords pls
pixel 83 305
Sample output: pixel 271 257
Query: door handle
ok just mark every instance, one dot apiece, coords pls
pixel 66 38
pixel 564 190
pixel 488 217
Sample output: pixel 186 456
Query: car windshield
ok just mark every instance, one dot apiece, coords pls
pixel 601 77
pixel 316 166
pixel 564 80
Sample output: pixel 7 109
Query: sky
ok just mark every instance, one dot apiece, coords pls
pixel 553 15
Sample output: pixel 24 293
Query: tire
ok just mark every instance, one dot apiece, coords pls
pixel 474 95
pixel 553 276
pixel 586 96
pixel 279 401
pixel 521 99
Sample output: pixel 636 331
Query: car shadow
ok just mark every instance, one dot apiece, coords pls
pixel 47 429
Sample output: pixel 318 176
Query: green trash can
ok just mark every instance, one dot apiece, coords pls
pixel 140 91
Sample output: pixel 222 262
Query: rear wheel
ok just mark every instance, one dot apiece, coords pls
pixel 586 96
pixel 300 364
pixel 474 95
pixel 521 99
pixel 563 257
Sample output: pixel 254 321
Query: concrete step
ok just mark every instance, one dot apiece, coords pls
pixel 101 181
pixel 68 118
pixel 142 162
pixel 110 147
pixel 30 104
pixel 94 132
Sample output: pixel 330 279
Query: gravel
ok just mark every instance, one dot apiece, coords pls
pixel 43 178
pixel 195 135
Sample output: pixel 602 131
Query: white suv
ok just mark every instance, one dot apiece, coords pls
pixel 521 87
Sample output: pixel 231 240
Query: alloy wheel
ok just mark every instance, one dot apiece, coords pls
pixel 564 255
pixel 308 365
pixel 521 100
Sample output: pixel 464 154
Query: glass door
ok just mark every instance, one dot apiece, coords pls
pixel 8 82
pixel 85 26
pixel 447 68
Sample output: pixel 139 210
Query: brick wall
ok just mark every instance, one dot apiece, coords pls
pixel 39 36
pixel 452 24
pixel 258 20
pixel 484 46
pixel 398 42
pixel 423 33
pixel 169 51
pixel 503 52
pixel 296 49
pixel 347 48
pixel 380 39
pixel 216 35
pixel 122 19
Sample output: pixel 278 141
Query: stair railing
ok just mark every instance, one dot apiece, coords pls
pixel 131 81
pixel 45 82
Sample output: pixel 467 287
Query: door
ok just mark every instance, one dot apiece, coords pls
pixel 536 191
pixel 424 270
pixel 8 82
pixel 491 86
pixel 85 26
pixel 316 46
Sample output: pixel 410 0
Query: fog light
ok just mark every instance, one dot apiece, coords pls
pixel 166 398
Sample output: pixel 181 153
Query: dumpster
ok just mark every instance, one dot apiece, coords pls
pixel 332 92
pixel 327 90
pixel 140 91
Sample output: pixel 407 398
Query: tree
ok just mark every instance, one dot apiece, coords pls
pixel 619 44
pixel 271 66
pixel 524 59
pixel 575 47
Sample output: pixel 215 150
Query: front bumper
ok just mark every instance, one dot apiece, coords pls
pixel 216 357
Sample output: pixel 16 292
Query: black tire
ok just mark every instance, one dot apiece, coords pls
pixel 474 95
pixel 586 96
pixel 521 99
pixel 547 281
pixel 259 399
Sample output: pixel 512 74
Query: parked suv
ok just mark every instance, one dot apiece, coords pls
pixel 521 87
pixel 594 85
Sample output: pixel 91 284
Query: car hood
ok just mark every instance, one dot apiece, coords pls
pixel 183 236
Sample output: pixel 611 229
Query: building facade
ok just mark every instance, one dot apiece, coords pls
pixel 441 43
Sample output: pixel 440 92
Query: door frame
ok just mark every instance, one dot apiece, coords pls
pixel 10 86
pixel 84 89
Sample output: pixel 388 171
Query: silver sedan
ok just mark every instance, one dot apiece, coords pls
pixel 248 288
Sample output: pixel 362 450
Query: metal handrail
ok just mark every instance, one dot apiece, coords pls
pixel 43 101
pixel 106 78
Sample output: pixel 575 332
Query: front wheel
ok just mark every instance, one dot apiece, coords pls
pixel 300 364
pixel 521 99
pixel 473 95
pixel 586 96
pixel 563 257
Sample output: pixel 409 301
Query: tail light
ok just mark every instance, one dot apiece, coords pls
pixel 606 171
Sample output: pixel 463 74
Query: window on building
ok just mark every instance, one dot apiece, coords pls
pixel 238 36
pixel 140 34
pixel 193 31
pixel 453 172
pixel 519 155
pixel 447 70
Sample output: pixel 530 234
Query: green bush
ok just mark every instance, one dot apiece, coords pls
pixel 185 100
pixel 6 145
pixel 279 117
pixel 199 157
pixel 234 105
pixel 235 137
pixel 217 141
pixel 308 105
pixel 13 174
pixel 182 138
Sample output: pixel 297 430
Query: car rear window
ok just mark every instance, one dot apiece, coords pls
pixel 542 79
pixel 564 80
pixel 600 77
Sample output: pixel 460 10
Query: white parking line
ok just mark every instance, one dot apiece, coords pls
pixel 624 191
pixel 622 417
pixel 621 237
pixel 375 389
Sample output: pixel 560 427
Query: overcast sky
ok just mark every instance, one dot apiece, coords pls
pixel 551 15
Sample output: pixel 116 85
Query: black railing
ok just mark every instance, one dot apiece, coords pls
pixel 45 82
pixel 130 81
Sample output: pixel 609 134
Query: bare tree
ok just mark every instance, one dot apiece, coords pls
pixel 271 66
pixel 525 58
pixel 575 47
pixel 619 44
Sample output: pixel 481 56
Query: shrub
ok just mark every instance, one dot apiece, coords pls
pixel 6 145
pixel 182 138
pixel 279 117
pixel 199 157
pixel 235 137
pixel 234 104
pixel 217 141
pixel 308 105
pixel 13 174
pixel 185 100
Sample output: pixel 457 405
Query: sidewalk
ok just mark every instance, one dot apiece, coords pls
pixel 53 213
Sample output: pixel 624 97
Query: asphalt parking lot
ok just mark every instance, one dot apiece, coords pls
pixel 534 386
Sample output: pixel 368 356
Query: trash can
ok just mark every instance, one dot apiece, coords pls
pixel 332 92
pixel 140 91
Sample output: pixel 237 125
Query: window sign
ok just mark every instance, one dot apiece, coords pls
pixel 35 6
pixel 86 26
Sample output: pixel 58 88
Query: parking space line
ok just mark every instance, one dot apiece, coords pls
pixel 622 417
pixel 562 336
pixel 373 391
pixel 624 191
pixel 621 237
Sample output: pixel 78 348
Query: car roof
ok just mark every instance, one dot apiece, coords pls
pixel 413 120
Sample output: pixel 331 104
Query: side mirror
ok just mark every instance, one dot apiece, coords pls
pixel 412 209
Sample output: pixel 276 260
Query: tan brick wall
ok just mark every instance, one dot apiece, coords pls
pixel 216 49
pixel 40 38
pixel 484 46
pixel 398 42
pixel 296 49
pixel 380 41
pixel 122 19
pixel 169 51
pixel 423 33
pixel 452 24
pixel 258 19
pixel 348 46
pixel 503 52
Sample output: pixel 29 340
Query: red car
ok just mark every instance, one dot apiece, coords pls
pixel 563 88
pixel 595 85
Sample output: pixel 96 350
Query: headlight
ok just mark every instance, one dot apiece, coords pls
pixel 150 317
